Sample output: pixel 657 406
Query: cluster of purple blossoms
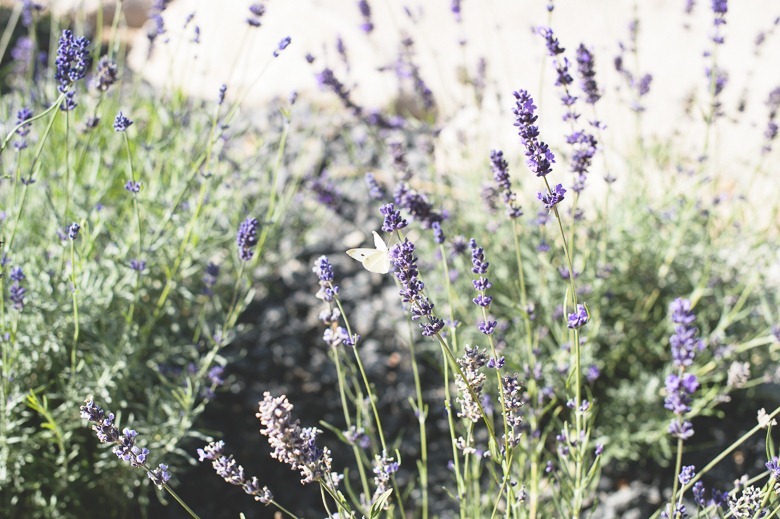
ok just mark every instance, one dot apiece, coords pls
pixel 73 231
pixel 681 386
pixel 586 68
pixel 684 341
pixel 357 436
pixel 512 397
pixel 126 450
pixel 539 156
pixel 384 468
pixel 221 95
pixel 69 103
pixel 246 238
pixel 365 12
pixel 157 27
pixel 283 44
pixel 582 157
pixel 293 444
pixel 17 291
pixel 375 191
pixel 327 79
pixel 25 114
pixel 256 12
pixel 470 363
pixel 138 265
pixel 577 320
pixel 407 67
pixel 233 473
pixel 107 74
pixel 324 270
pixel 455 8
pixel 392 218
pixel 28 8
pixel 719 10
pixel 552 198
pixel 405 262
pixel 73 60
pixel 417 205
pixel 679 512
pixel 121 123
pixel 500 168
pixel 400 164
pixel 719 498
pixel 325 190
pixel 772 104
pixel 479 266
pixel 133 186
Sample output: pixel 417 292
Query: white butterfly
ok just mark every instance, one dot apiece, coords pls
pixel 373 260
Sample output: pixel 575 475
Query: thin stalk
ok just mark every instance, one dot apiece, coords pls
pixel 74 292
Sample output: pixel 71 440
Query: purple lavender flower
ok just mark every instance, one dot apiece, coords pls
pixel 455 8
pixel 246 238
pixel 417 205
pixel 698 493
pixel 550 200
pixel 228 469
pixel 500 169
pixel 283 44
pixel 438 233
pixel 121 123
pixel 324 270
pixel 586 68
pixel 384 468
pixel 138 265
pixel 553 46
pixel 405 263
pixel 157 27
pixel 684 341
pixel 69 103
pixel 125 449
pixel 579 318
pixel 73 231
pixel 539 156
pixel 221 96
pixel 25 114
pixel 365 12
pixel 28 9
pixel 292 444
pixel 687 473
pixel 107 74
pixel 160 475
pixel 375 191
pixel 325 190
pixel 133 187
pixel 73 60
pixel 16 294
pixel 679 390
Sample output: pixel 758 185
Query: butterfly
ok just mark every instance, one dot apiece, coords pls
pixel 374 260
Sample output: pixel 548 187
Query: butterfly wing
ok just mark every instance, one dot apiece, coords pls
pixel 378 262
pixel 379 243
pixel 360 254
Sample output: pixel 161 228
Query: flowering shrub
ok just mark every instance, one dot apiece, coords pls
pixel 534 329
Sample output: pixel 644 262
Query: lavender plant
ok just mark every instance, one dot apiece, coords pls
pixel 135 253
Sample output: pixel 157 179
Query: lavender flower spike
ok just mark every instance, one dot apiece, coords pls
pixel 292 444
pixel 121 123
pixel 246 238
pixel 73 60
pixel 405 263
pixel 539 156
pixel 126 450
